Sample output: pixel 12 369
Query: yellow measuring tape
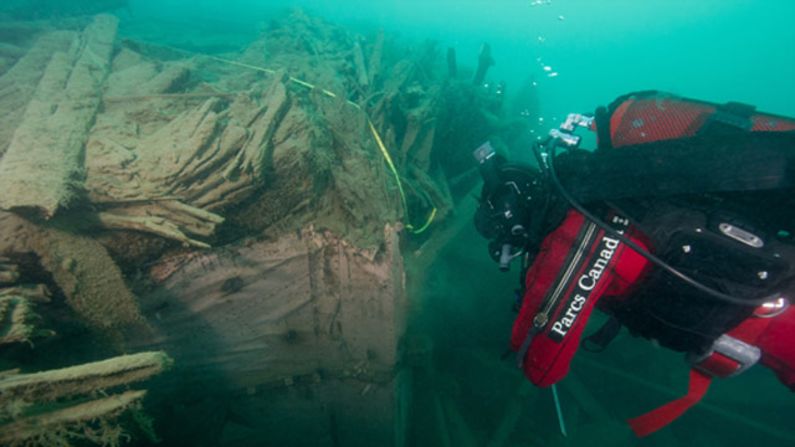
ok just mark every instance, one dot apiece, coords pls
pixel 370 124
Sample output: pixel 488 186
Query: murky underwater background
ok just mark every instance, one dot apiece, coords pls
pixel 577 54
pixel 711 49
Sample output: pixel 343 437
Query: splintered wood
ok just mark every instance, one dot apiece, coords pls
pixel 44 429
pixel 84 410
pixel 82 379
pixel 208 157
pixel 141 172
pixel 168 155
pixel 18 319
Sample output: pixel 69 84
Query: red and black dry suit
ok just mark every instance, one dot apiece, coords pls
pixel 707 188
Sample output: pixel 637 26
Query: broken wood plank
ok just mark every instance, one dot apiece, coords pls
pixel 9 273
pixel 17 320
pixel 441 421
pixel 18 83
pixel 452 65
pixel 460 433
pixel 585 398
pixel 43 163
pixel 36 293
pixel 85 378
pixel 375 59
pixel 485 61
pixel 47 426
pixel 361 69
pixel 511 416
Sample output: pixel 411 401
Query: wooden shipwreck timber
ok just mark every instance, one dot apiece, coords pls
pixel 245 214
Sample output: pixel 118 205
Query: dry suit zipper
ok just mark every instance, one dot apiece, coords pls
pixel 542 318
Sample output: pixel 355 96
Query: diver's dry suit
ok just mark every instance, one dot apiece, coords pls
pixel 679 226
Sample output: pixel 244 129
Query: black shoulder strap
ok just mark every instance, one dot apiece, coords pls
pixel 729 118
pixel 598 341
pixel 603 137
pixel 745 161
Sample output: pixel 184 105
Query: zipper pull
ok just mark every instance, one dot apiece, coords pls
pixel 540 320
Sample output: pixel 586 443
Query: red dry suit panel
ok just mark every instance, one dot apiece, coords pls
pixel 576 265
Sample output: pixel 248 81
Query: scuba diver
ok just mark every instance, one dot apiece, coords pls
pixel 680 226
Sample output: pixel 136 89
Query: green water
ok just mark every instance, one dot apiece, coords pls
pixel 711 49
pixel 714 50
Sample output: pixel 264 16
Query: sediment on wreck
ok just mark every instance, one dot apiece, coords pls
pixel 248 213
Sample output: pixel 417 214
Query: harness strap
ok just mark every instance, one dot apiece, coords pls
pixel 729 118
pixel 732 354
pixel 598 341
pixel 602 124
pixel 747 161
pixel 522 352
pixel 654 420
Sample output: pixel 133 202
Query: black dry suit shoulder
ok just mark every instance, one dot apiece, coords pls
pixel 551 154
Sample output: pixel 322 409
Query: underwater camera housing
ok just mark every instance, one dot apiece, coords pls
pixel 505 215
pixel 515 198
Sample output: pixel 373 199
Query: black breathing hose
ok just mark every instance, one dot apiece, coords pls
pixel 550 168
